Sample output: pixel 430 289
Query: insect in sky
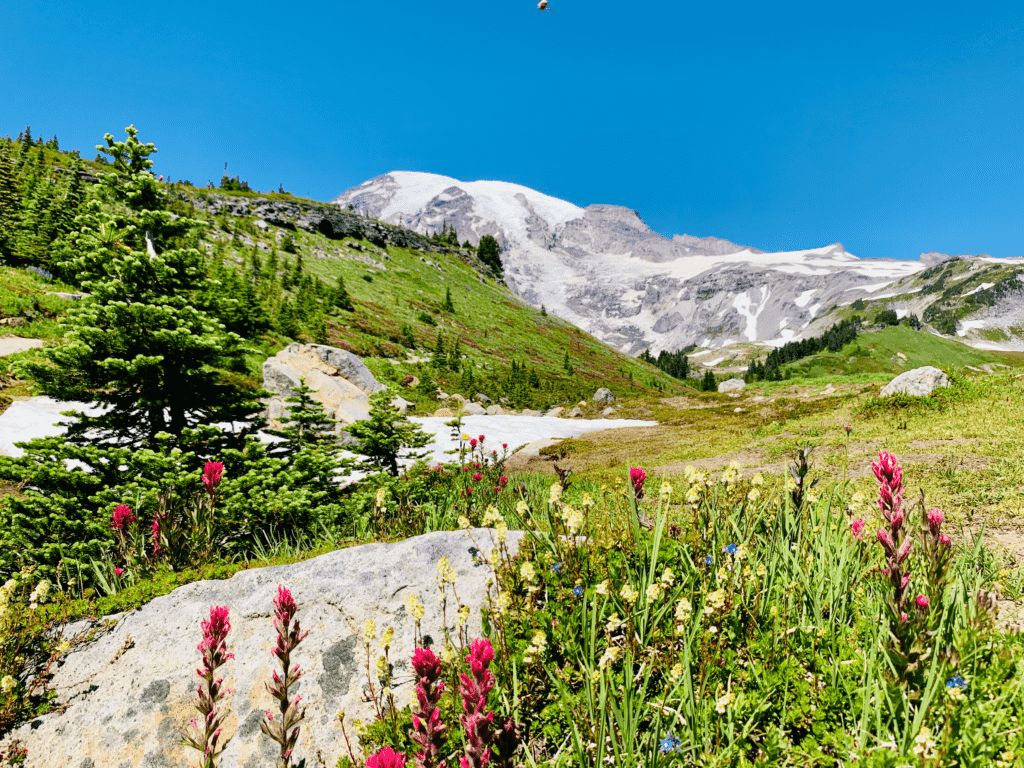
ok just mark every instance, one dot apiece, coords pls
pixel 543 6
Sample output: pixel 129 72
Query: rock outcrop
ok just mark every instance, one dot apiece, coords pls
pixel 603 396
pixel 920 381
pixel 732 385
pixel 342 383
pixel 129 691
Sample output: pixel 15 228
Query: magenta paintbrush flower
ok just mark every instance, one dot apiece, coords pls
pixel 428 731
pixel 637 477
pixel 122 517
pixel 213 648
pixel 386 758
pixel 211 476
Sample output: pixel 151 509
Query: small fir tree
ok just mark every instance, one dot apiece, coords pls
pixel 306 423
pixel 386 436
pixel 448 306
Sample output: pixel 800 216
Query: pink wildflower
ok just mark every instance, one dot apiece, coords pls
pixel 122 516
pixel 502 481
pixel 427 727
pixel 474 689
pixel 118 570
pixel 944 540
pixel 477 477
pixel 211 475
pixel 637 477
pixel 935 518
pixel 472 443
pixel 481 438
pixel 386 758
pixel 904 617
pixel 922 601
pixel 504 445
pixel 857 527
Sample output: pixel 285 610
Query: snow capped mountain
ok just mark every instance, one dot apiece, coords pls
pixel 603 269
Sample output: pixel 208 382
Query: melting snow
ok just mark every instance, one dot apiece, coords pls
pixel 982 287
pixel 966 326
pixel 803 298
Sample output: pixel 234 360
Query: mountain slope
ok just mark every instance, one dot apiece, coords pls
pixel 604 270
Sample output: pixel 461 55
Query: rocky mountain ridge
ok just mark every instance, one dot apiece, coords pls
pixel 603 269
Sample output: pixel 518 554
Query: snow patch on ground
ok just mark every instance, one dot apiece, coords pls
pixel 803 298
pixel 982 287
pixel 35 417
pixel 966 326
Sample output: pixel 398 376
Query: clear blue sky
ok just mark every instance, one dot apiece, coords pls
pixel 893 127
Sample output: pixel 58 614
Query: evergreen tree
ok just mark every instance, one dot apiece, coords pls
pixel 489 253
pixel 438 359
pixel 448 306
pixel 708 383
pixel 341 298
pixel 386 436
pixel 138 344
pixel 306 424
pixel 10 203
pixel 455 358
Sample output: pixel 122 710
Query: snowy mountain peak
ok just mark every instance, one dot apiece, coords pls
pixel 603 269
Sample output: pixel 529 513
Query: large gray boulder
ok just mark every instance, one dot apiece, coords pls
pixel 129 691
pixel 732 385
pixel 473 409
pixel 603 396
pixel 340 380
pixel 920 381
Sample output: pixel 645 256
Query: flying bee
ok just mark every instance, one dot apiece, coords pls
pixel 543 6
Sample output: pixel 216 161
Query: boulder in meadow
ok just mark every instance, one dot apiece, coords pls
pixel 919 381
pixel 125 696
pixel 732 385
pixel 473 409
pixel 603 396
pixel 555 412
pixel 495 410
pixel 340 380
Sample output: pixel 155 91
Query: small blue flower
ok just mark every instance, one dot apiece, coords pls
pixel 731 549
pixel 956 681
pixel 709 560
pixel 41 272
pixel 670 744
pixel 556 567
pixel 577 590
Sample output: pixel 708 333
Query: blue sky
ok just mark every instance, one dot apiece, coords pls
pixel 893 127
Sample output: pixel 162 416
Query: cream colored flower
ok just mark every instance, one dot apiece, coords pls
pixel 491 516
pixel 654 593
pixel 676 672
pixel 415 607
pixel 369 630
pixel 924 744
pixel 527 571
pixel 382 666
pixel 387 637
pixel 693 494
pixel 503 602
pixel 588 501
pixel 628 594
pixel 725 701
pixel 668 578
pixel 761 570
pixel 757 479
pixel 683 610
pixel 573 519
pixel 463 614
pixel 7 684
pixel 445 572
pixel 555 494
pixel 448 653
pixel 604 587
pixel 609 657
pixel 522 507
pixel 536 647
pixel 666 488
pixel 715 602
pixel 754 495
pixel 614 623
pixel 955 692
pixel 464 521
